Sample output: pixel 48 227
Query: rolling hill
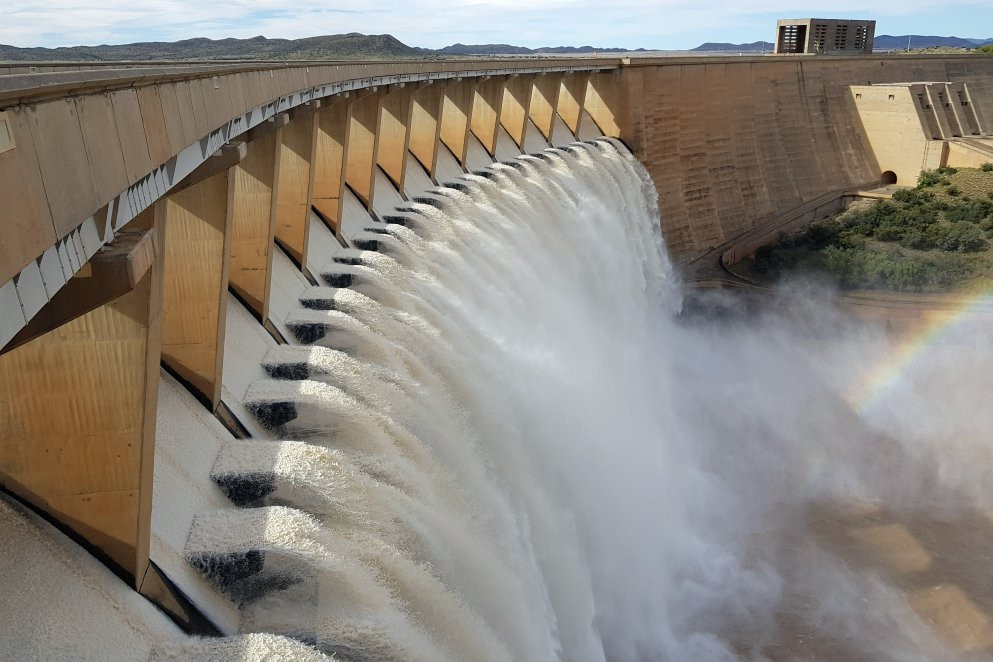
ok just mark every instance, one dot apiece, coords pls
pixel 883 42
pixel 327 47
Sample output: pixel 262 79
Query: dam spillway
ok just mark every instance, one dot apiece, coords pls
pixel 424 509
pixel 395 421
pixel 447 476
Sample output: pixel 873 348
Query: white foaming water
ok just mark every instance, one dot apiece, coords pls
pixel 512 338
pixel 523 456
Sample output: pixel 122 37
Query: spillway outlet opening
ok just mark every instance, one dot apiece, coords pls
pixel 337 278
pixel 246 490
pixel 431 202
pixel 351 260
pixel 227 569
pixel 318 303
pixel 243 576
pixel 394 219
pixel 459 186
pixel 366 244
pixel 273 415
pixel 288 371
pixel 888 178
pixel 308 333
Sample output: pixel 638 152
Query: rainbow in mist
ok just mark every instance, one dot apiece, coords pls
pixel 939 326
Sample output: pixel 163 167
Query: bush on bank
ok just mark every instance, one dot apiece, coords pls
pixel 927 239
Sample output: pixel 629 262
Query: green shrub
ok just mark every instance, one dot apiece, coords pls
pixel 914 238
pixel 962 237
pixel 954 191
pixel 944 181
pixel 890 233
pixel 913 196
pixel 853 238
pixel 927 178
pixel 973 211
pixel 926 242
pixel 986 50
pixel 986 167
pixel 947 170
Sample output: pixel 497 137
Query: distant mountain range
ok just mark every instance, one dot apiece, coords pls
pixel 892 43
pixel 327 47
pixel 882 42
pixel 357 46
pixel 507 49
pixel 720 47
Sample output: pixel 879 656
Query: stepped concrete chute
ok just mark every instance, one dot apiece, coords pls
pixel 213 219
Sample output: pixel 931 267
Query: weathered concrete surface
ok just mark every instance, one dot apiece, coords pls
pixel 734 142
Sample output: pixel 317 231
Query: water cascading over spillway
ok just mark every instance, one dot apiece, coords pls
pixel 477 435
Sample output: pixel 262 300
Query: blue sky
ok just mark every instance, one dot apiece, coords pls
pixel 652 24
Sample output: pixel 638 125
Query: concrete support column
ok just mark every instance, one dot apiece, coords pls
pixel 456 117
pixel 296 181
pixel 329 163
pixel 253 216
pixel 426 108
pixel 964 112
pixel 360 140
pixel 601 102
pixel 391 136
pixel 572 93
pixel 487 104
pixel 78 403
pixel 544 100
pixel 197 222
pixel 936 99
pixel 515 106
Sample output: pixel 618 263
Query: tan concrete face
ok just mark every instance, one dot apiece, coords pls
pixel 58 142
pixel 253 222
pixel 603 99
pixel 733 144
pixel 27 225
pixel 295 184
pixel 516 106
pixel 360 153
pixel 425 127
pixel 572 92
pixel 456 117
pixel 77 422
pixel 391 135
pixel 487 103
pixel 544 101
pixel 899 122
pixel 969 153
pixel 197 224
pixel 329 162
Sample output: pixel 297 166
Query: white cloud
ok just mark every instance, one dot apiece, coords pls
pixel 435 23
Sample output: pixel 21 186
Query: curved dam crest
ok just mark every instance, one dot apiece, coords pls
pixel 391 420
pixel 501 441
pixel 420 517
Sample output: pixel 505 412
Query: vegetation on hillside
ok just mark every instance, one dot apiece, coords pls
pixel 933 238
pixel 328 47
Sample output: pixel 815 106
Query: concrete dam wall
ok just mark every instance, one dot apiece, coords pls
pixel 734 142
pixel 203 265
